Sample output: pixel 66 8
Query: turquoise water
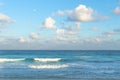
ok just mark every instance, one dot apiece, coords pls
pixel 59 65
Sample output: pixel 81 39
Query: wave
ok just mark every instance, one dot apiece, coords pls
pixel 10 60
pixel 48 66
pixel 47 59
pixel 30 59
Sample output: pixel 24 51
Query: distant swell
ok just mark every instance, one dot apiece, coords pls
pixel 10 60
pixel 48 66
pixel 47 59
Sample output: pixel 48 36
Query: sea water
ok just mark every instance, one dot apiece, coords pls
pixel 59 65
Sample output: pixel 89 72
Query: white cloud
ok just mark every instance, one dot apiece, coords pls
pixel 49 23
pixel 82 13
pixel 117 11
pixel 61 38
pixel 66 35
pixel 34 36
pixel 65 32
pixel 23 40
pixel 97 39
pixel 71 32
pixel 60 31
pixel 59 13
pixel 4 20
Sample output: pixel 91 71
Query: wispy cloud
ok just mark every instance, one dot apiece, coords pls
pixel 35 36
pixel 117 11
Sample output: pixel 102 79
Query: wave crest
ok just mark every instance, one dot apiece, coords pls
pixel 47 59
pixel 10 60
pixel 48 66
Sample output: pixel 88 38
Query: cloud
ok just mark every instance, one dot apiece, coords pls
pixel 81 13
pixel 49 23
pixel 60 31
pixel 69 43
pixel 68 33
pixel 65 32
pixel 117 10
pixel 23 40
pixel 4 20
pixel 74 27
pixel 35 36
pixel 59 13
pixel 112 32
pixel 65 35
pixel 60 35
pixel 61 38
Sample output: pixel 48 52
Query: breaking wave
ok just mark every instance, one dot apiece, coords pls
pixel 10 60
pixel 47 59
pixel 48 66
pixel 30 59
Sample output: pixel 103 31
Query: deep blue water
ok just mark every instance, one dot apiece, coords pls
pixel 59 65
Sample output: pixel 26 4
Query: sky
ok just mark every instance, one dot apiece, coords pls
pixel 59 25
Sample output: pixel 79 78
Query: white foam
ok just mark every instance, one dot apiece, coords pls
pixel 47 59
pixel 10 60
pixel 48 66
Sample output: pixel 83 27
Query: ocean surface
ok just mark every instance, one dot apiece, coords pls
pixel 59 65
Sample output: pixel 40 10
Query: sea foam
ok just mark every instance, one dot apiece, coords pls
pixel 10 60
pixel 47 59
pixel 48 66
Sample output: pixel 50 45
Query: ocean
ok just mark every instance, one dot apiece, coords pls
pixel 59 65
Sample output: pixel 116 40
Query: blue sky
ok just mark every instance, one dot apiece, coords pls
pixel 60 24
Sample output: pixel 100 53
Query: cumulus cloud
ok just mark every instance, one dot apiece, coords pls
pixel 49 23
pixel 117 11
pixel 34 36
pixel 4 20
pixel 81 13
